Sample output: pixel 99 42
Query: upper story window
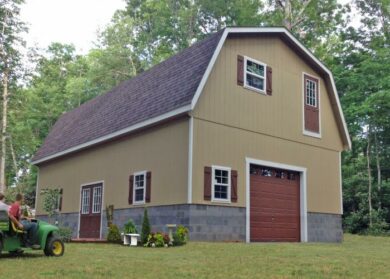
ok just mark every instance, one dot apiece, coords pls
pixel 311 92
pixel 255 75
pixel 311 101
pixel 221 184
pixel 139 187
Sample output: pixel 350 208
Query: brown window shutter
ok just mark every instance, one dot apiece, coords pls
pixel 269 80
pixel 240 70
pixel 131 181
pixel 60 202
pixel 207 183
pixel 148 186
pixel 234 186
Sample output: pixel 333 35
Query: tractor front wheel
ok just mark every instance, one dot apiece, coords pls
pixel 54 246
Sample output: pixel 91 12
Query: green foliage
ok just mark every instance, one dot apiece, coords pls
pixel 65 234
pixel 180 237
pixel 157 240
pixel 145 232
pixel 50 199
pixel 129 227
pixel 114 235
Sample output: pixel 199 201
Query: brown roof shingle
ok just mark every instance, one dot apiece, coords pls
pixel 165 87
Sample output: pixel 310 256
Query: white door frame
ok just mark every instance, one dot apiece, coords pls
pixel 303 195
pixel 101 210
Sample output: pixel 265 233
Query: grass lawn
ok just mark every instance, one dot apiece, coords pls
pixel 356 257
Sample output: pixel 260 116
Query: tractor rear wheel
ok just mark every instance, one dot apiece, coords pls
pixel 54 246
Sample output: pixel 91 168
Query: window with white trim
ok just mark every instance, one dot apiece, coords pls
pixel 311 93
pixel 139 183
pixel 221 184
pixel 85 196
pixel 97 199
pixel 254 75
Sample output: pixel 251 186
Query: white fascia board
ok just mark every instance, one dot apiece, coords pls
pixel 283 30
pixel 124 131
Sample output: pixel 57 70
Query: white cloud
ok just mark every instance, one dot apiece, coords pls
pixel 67 21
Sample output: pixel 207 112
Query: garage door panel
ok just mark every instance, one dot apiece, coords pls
pixel 274 206
pixel 270 233
pixel 277 219
pixel 273 203
pixel 273 188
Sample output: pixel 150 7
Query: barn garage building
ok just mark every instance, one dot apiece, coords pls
pixel 237 137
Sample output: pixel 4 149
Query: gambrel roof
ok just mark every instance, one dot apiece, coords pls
pixel 168 89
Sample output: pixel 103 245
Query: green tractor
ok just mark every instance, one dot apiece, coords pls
pixel 11 238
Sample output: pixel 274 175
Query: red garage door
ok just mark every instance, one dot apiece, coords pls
pixel 274 204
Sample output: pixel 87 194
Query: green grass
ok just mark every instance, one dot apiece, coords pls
pixel 356 257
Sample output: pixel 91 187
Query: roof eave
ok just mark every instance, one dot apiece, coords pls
pixel 122 132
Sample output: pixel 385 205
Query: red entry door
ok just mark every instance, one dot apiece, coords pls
pixel 91 211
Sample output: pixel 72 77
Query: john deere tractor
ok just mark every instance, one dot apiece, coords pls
pixel 11 238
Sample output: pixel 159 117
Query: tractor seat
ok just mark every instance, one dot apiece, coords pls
pixel 15 229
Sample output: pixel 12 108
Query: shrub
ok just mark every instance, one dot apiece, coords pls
pixel 180 237
pixel 157 240
pixel 129 227
pixel 113 234
pixel 65 234
pixel 145 228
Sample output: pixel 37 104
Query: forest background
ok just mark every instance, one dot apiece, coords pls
pixel 39 85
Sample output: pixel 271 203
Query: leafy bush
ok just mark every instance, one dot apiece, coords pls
pixel 157 240
pixel 145 228
pixel 180 237
pixel 129 227
pixel 114 235
pixel 65 234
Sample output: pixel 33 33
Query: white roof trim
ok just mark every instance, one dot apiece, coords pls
pixel 117 133
pixel 269 30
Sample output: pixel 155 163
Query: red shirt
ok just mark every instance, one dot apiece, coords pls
pixel 14 210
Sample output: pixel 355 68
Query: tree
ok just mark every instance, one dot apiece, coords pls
pixel 145 230
pixel 10 29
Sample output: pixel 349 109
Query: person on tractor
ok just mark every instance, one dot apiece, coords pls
pixel 3 205
pixel 23 223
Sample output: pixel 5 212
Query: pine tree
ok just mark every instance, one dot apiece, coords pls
pixel 145 227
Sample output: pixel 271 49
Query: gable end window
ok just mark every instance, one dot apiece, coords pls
pixel 221 184
pixel 139 183
pixel 311 105
pixel 254 75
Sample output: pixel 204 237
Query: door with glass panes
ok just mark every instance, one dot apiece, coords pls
pixel 90 211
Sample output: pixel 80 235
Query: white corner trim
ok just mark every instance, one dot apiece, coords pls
pixel 190 156
pixel 37 192
pixel 303 192
pixel 117 133
pixel 209 68
pixel 101 210
pixel 341 186
pixel 304 131
pixel 284 31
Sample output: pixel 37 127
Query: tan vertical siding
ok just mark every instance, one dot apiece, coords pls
pixel 216 144
pixel 232 122
pixel 162 150
pixel 279 115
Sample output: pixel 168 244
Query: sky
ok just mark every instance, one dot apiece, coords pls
pixel 67 21
pixel 70 21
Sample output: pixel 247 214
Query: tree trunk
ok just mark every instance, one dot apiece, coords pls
pixel 4 132
pixel 369 177
pixel 378 168
pixel 15 164
pixel 287 21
